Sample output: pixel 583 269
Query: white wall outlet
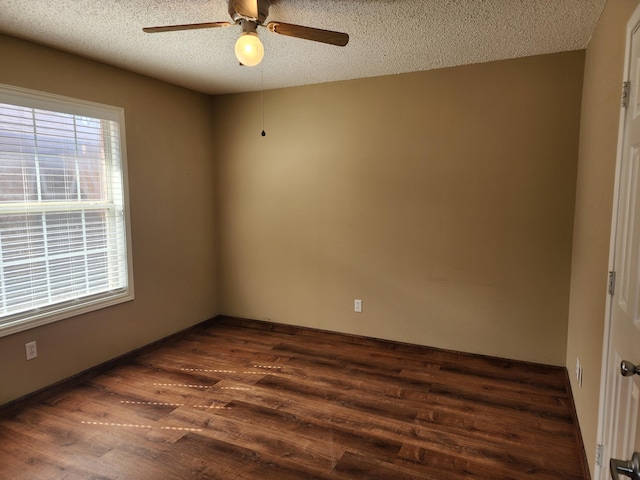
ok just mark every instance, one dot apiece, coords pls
pixel 579 372
pixel 357 306
pixel 32 350
pixel 580 377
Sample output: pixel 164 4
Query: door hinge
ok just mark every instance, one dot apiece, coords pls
pixel 611 283
pixel 626 90
pixel 599 451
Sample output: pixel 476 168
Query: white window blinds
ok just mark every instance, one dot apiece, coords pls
pixel 63 223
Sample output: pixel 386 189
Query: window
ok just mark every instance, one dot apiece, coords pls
pixel 64 243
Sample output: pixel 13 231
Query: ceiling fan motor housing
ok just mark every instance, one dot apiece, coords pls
pixel 252 10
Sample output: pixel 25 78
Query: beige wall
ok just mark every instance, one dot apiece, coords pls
pixel 171 190
pixel 444 200
pixel 594 199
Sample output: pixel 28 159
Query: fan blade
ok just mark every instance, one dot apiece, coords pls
pixel 188 26
pixel 308 33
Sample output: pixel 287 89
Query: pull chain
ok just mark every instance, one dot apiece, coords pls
pixel 262 99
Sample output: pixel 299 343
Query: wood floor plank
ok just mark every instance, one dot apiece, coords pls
pixel 35 452
pixel 495 425
pixel 242 399
pixel 353 466
pixel 230 461
pixel 310 428
pixel 527 461
pixel 556 407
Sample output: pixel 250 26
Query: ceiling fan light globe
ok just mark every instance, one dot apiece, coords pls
pixel 249 49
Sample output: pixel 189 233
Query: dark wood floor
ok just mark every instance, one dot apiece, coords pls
pixel 247 400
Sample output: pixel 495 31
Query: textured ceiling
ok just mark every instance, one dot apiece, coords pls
pixel 386 36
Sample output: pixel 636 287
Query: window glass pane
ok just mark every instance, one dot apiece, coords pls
pixel 62 210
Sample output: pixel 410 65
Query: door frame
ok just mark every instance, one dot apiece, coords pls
pixel 602 471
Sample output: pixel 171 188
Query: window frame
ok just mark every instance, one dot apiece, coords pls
pixel 62 310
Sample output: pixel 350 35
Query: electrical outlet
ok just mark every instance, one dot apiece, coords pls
pixel 579 372
pixel 32 350
pixel 357 306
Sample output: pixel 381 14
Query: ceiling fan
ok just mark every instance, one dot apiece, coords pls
pixel 250 14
